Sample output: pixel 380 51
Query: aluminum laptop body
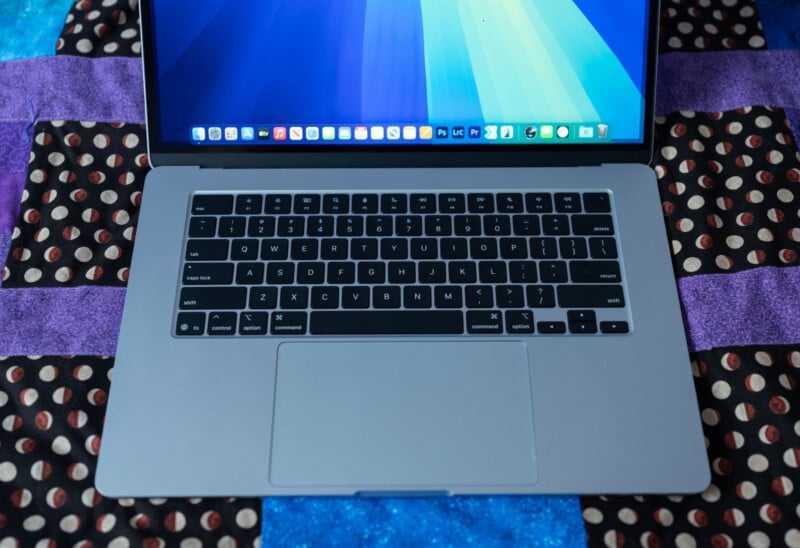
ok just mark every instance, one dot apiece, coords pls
pixel 387 109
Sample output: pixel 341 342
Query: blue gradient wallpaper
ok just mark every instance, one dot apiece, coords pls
pixel 439 62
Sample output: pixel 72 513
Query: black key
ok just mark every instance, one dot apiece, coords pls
pixel 432 272
pixel 364 248
pixel 595 271
pixel 355 297
pixel 278 204
pixel 454 248
pixel 509 296
pixel 249 204
pixel 416 296
pixel 408 225
pixel 250 273
pixel 386 297
pixel 488 322
pixel 510 203
pixel 553 272
pixel 253 323
pixel 402 273
pixel 451 203
pixel 231 227
pixel 280 273
pixel 467 225
pixel 480 203
pixel 275 250
pixel 320 225
pixel 190 323
pixel 291 226
pixel 364 203
pixel 603 248
pixel 568 202
pixel 573 248
pixel 379 225
pixel 261 227
pixel 555 225
pixel 324 297
pixel 341 273
pixel 386 322
pixel 244 250
pixel 522 272
pixel 538 202
pixel 212 204
pixel 305 249
pixel 513 248
pixel 438 225
pixel 581 316
pixel 447 296
pixel 590 296
pixel 541 296
pixel 371 273
pixel 597 202
pixel 262 298
pixel 207 273
pixel 492 272
pixel 592 225
pixel 544 248
pixel 305 204
pixel 293 297
pixel 206 250
pixel 423 203
pixel 222 323
pixel 526 225
pixel 496 225
pixel 551 328
pixel 519 321
pixel 423 248
pixel 333 249
pixel 478 296
pixel 394 203
pixel 311 273
pixel 463 272
pixel 335 203
pixel 202 227
pixel 614 327
pixel 483 248
pixel 212 298
pixel 350 225
pixel 583 328
pixel 289 323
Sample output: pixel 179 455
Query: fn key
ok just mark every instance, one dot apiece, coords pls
pixel 190 323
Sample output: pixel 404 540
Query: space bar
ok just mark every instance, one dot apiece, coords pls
pixel 380 322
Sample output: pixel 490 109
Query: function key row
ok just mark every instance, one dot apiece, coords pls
pixel 395 203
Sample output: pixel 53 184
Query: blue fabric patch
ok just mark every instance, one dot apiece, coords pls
pixel 30 28
pixel 781 22
pixel 435 521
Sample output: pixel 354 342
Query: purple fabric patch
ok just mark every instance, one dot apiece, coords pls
pixel 64 87
pixel 726 80
pixel 15 146
pixel 11 185
pixel 758 306
pixel 5 245
pixel 55 321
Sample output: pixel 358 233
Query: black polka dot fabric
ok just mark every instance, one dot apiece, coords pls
pixel 51 418
pixel 101 28
pixel 77 220
pixel 730 183
pixel 708 25
pixel 748 397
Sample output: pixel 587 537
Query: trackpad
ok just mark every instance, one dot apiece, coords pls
pixel 403 414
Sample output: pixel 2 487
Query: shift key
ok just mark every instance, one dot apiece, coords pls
pixel 214 298
pixel 590 296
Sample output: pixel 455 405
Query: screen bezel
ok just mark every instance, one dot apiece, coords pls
pixel 365 155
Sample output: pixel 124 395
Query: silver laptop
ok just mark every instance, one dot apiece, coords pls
pixel 400 247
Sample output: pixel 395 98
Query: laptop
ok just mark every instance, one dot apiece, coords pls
pixel 400 247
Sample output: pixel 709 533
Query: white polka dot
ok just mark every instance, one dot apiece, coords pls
pixel 721 390
pixel 59 213
pixel 70 523
pixel 696 202
pixel 84 45
pixel 83 254
pixel 792 538
pixel 32 275
pixel 711 494
pixel 7 471
pixel 669 152
pixel 592 515
pixel 128 33
pixel 61 446
pixel 119 542
pixel 692 264
pixel 734 183
pixel 79 472
pixel 191 542
pixel 108 196
pixel 685 540
pixel 710 417
pixel 246 518
pixel 33 523
pixel 734 242
pixel 756 42
pixel 757 463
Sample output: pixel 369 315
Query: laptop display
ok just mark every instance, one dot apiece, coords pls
pixel 315 73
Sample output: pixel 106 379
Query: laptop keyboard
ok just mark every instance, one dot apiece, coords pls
pixel 388 263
